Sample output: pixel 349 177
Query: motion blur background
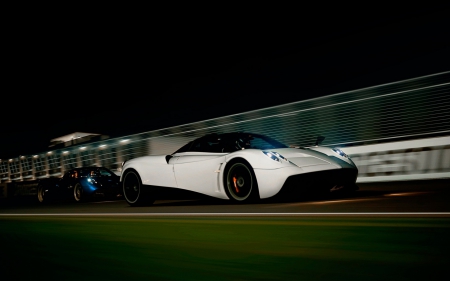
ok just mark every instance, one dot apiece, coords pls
pixel 120 75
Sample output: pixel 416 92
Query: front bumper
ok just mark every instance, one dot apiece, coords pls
pixel 319 182
pixel 271 182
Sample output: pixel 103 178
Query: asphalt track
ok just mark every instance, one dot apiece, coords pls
pixel 422 198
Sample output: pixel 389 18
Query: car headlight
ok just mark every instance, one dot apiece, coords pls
pixel 272 156
pixel 340 152
pixel 279 155
pixel 276 156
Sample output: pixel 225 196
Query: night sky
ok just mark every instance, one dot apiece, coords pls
pixel 124 77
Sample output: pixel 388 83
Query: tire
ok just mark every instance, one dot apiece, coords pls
pixel 133 191
pixel 41 195
pixel 240 182
pixel 78 193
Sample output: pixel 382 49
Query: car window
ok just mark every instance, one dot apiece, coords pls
pixel 84 173
pixel 209 143
pixel 105 173
pixel 184 148
pixel 70 174
pixel 67 175
pixel 215 146
pixel 200 145
pixel 228 145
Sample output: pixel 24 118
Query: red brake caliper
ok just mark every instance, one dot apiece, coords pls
pixel 235 184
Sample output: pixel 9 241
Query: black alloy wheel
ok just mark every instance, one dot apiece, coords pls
pixel 240 183
pixel 133 192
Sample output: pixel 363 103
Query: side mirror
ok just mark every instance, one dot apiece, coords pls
pixel 319 140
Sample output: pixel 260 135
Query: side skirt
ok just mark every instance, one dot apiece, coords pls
pixel 165 193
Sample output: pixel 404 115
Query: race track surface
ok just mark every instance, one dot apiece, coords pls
pixel 409 198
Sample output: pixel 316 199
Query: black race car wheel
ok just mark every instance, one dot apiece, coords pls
pixel 240 182
pixel 78 192
pixel 133 191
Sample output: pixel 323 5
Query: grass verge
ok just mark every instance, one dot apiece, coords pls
pixel 194 248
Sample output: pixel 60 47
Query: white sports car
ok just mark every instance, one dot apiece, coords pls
pixel 240 167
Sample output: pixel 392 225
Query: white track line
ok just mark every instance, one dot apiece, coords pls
pixel 231 214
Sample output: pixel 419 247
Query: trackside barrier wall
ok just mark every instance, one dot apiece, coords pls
pixel 406 160
pixel 395 131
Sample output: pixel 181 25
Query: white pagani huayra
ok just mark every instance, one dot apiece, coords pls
pixel 241 167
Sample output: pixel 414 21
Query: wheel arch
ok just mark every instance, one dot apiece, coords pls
pixel 126 171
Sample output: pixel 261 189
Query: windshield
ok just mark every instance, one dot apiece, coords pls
pixel 248 140
pixel 229 142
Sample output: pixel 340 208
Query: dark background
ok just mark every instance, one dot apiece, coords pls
pixel 118 75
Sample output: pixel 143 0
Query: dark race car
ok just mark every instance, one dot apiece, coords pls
pixel 80 184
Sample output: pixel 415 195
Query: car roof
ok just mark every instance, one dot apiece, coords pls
pixel 89 168
pixel 85 168
pixel 231 134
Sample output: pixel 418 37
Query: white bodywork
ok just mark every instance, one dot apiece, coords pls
pixel 203 172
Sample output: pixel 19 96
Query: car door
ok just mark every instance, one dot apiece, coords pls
pixel 198 169
pixel 65 185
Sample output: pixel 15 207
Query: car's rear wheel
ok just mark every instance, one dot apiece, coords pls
pixel 133 191
pixel 240 182
pixel 78 192
pixel 41 196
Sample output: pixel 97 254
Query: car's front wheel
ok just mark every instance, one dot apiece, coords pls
pixel 240 182
pixel 133 191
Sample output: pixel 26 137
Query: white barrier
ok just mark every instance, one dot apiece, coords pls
pixel 406 160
